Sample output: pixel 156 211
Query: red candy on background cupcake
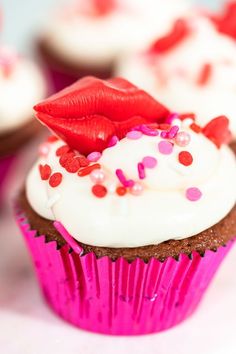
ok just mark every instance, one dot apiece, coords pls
pixel 225 19
pixel 192 69
pixel 87 36
pixel 129 210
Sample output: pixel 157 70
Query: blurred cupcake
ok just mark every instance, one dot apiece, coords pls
pixel 192 70
pixel 131 216
pixel 86 38
pixel 21 85
pixel 225 19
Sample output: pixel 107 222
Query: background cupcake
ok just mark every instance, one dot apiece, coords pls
pixel 87 37
pixel 141 259
pixel 21 84
pixel 192 70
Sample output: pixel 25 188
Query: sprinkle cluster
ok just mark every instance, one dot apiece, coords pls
pixel 170 134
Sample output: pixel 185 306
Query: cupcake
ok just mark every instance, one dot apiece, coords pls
pixel 86 38
pixel 127 217
pixel 225 20
pixel 21 84
pixel 192 70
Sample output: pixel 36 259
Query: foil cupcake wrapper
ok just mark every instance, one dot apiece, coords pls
pixel 5 166
pixel 60 78
pixel 117 297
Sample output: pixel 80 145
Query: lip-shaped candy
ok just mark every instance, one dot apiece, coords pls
pixel 89 113
pixel 217 130
pixel 179 32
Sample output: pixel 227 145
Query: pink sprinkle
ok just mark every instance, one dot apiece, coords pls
pixel 171 117
pixel 164 134
pixel 130 183
pixel 94 156
pixel 141 170
pixel 149 162
pixel 173 131
pixel 148 131
pixel 134 135
pixel 136 189
pixel 165 147
pixel 193 194
pixel 126 183
pixel 114 140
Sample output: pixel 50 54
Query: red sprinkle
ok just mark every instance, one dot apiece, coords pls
pixel 184 116
pixel 55 179
pixel 87 170
pixel 45 172
pixel 64 158
pixel 164 126
pixel 205 74
pixel 121 191
pixel 196 128
pixel 84 162
pixel 52 139
pixel 177 34
pixel 72 165
pixel 185 158
pixel 62 150
pixel 99 190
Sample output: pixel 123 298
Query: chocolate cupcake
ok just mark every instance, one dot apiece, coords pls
pixel 132 215
pixel 192 70
pixel 21 83
pixel 86 38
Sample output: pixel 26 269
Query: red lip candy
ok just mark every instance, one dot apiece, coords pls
pixel 89 113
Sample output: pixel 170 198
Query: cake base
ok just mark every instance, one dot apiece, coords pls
pixel 233 146
pixel 64 74
pixel 210 239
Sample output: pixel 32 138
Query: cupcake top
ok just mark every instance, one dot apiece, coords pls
pixel 95 32
pixel 191 69
pixel 21 85
pixel 157 181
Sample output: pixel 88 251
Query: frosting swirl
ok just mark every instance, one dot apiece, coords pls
pixel 156 184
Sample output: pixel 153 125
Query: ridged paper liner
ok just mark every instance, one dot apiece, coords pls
pixel 5 165
pixel 117 297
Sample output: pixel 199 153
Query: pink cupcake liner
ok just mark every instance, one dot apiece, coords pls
pixel 117 297
pixel 60 79
pixel 5 166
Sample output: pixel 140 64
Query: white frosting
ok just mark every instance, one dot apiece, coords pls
pixel 19 91
pixel 173 77
pixel 79 38
pixel 160 213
